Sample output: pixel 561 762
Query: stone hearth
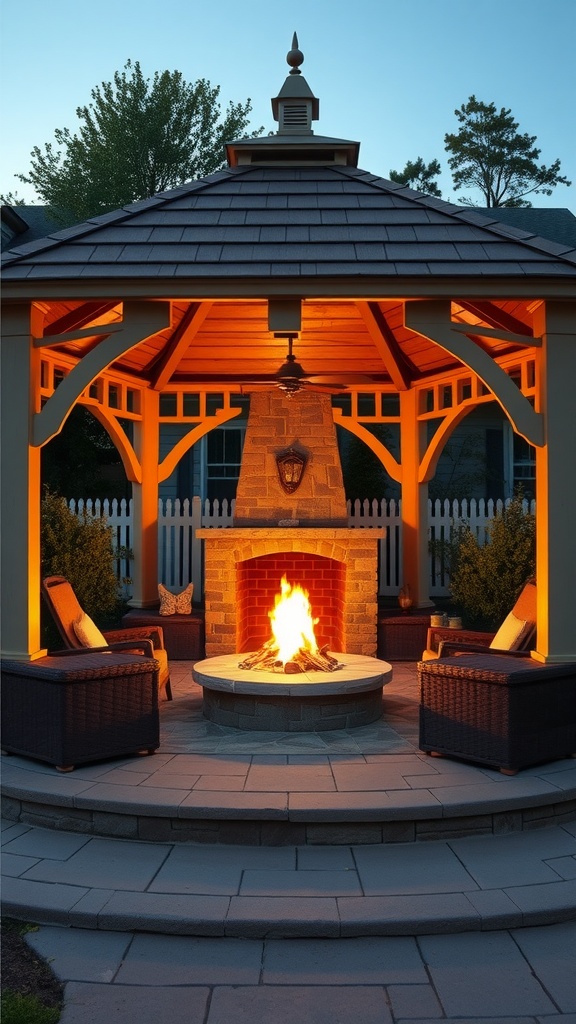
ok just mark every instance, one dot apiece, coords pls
pixel 347 698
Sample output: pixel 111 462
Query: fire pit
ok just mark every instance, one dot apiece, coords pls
pixel 289 684
pixel 312 701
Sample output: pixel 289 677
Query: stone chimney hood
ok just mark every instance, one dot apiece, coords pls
pixel 295 107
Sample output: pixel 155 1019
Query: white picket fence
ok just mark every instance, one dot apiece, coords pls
pixel 180 553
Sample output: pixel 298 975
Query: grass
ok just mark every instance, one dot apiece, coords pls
pixel 31 992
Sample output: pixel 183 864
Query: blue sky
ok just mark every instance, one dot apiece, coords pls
pixel 388 73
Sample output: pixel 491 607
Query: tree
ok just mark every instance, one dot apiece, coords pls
pixel 11 199
pixel 419 175
pixel 82 460
pixel 489 153
pixel 79 548
pixel 136 138
pixel 486 579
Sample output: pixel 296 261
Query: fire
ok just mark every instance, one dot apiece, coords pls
pixel 292 623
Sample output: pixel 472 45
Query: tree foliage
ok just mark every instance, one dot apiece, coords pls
pixel 419 175
pixel 486 579
pixel 136 138
pixel 11 199
pixel 80 548
pixel 488 153
pixel 82 460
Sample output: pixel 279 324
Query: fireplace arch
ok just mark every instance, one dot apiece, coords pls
pixel 258 584
pixel 350 555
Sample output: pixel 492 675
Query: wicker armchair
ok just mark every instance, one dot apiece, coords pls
pixel 67 611
pixel 514 637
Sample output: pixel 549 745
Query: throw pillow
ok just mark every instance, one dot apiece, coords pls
pixel 511 634
pixel 175 604
pixel 88 633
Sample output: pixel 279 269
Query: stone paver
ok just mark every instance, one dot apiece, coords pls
pixel 524 976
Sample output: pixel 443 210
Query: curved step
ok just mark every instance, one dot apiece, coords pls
pixel 466 884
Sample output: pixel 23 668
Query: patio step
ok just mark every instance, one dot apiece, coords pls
pixel 468 884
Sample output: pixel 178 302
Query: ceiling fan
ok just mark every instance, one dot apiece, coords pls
pixel 292 378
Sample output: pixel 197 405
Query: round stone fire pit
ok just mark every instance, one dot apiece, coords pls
pixel 308 702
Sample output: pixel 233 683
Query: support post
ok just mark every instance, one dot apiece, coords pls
pixel 415 557
pixel 556 485
pixel 145 505
pixel 20 490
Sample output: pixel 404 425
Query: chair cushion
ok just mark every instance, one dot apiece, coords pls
pixel 88 633
pixel 511 634
pixel 175 604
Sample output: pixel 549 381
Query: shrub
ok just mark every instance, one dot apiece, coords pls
pixel 80 548
pixel 486 579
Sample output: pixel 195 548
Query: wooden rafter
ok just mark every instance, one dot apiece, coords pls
pixel 495 317
pixel 400 370
pixel 189 325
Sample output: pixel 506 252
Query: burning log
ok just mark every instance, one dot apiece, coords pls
pixel 266 660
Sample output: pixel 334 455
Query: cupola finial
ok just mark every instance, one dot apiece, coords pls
pixel 295 57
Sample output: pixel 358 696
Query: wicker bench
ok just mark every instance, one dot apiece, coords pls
pixel 183 634
pixel 498 710
pixel 80 708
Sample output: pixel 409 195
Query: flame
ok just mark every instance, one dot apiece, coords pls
pixel 292 622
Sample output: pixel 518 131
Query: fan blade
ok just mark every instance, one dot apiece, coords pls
pixel 348 378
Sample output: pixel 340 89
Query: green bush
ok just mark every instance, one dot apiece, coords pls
pixel 485 580
pixel 80 548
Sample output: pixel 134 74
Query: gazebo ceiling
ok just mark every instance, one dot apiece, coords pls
pixel 360 342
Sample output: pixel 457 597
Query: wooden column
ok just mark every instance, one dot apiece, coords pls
pixel 145 505
pixel 415 558
pixel 556 485
pixel 20 488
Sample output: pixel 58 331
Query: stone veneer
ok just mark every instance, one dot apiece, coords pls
pixel 311 521
pixel 276 423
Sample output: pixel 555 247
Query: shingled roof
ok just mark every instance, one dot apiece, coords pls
pixel 290 221
pixel 291 206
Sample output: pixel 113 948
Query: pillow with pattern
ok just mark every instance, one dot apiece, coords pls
pixel 175 604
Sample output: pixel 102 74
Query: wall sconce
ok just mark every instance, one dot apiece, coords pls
pixel 291 465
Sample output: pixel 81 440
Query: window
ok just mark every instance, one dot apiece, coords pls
pixel 223 455
pixel 524 467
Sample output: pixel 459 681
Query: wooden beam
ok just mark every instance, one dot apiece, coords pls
pixel 80 317
pixel 389 351
pixel 186 330
pixel 433 320
pixel 495 317
pixel 486 332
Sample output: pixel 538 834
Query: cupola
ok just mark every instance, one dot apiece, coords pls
pixel 294 108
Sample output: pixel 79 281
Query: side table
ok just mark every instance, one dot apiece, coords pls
pixel 183 634
pixel 402 637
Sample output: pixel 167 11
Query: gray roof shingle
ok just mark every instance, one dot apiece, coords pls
pixel 314 220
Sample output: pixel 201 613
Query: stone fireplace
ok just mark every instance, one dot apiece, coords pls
pixel 303 535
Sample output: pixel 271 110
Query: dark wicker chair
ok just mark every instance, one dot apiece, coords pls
pixel 515 635
pixel 497 709
pixel 81 706
pixel 66 610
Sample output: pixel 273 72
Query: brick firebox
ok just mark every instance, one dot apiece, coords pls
pixel 303 535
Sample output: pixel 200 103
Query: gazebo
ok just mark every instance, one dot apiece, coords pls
pixel 403 309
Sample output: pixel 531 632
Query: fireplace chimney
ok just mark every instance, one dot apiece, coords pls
pixel 302 422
